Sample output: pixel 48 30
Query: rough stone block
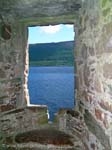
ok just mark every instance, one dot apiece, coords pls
pixel 107 70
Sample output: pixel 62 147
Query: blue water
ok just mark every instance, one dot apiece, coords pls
pixel 52 86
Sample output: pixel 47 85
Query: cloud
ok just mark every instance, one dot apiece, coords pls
pixel 51 29
pixel 69 26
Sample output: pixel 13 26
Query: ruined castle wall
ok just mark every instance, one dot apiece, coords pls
pixel 22 119
pixel 12 62
pixel 93 56
pixel 94 72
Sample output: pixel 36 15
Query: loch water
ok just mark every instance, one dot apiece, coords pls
pixel 52 86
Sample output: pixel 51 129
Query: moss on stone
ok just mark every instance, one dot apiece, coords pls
pixel 3 97
pixel 106 12
pixel 16 80
pixel 43 120
pixel 49 20
pixel 41 110
pixel 11 80
pixel 104 2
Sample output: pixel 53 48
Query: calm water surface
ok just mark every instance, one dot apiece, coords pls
pixel 52 86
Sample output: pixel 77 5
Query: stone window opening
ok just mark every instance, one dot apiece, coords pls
pixel 28 98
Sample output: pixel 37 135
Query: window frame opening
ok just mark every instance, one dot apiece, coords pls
pixel 27 72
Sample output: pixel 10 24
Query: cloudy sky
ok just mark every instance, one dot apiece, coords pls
pixel 47 34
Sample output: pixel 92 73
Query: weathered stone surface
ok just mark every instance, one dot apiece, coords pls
pixel 1 57
pixel 45 8
pixel 107 69
pixel 84 51
pixel 2 73
pixel 86 75
pixel 96 34
pixel 97 85
pixel 22 119
pixel 91 51
pixel 44 136
pixel 93 23
pixel 106 106
pixel 98 114
pixel 6 107
pixel 6 32
pixel 95 128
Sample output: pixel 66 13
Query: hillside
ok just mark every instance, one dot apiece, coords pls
pixel 51 54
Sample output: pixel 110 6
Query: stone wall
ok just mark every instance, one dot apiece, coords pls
pixel 23 119
pixel 91 121
pixel 12 53
pixel 94 72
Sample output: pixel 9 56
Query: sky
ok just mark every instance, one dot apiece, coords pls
pixel 49 34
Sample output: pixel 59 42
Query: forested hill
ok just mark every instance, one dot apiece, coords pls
pixel 51 54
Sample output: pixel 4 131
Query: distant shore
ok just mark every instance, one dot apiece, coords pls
pixel 51 54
